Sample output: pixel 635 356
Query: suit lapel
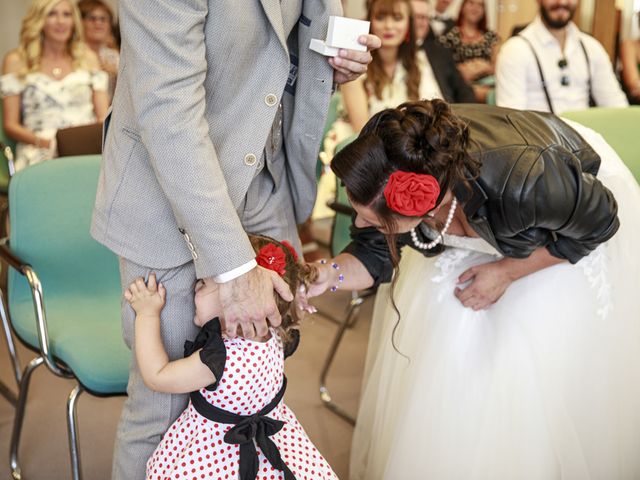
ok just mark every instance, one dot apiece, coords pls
pixel 274 14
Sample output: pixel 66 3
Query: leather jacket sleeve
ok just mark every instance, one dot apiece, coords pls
pixel 557 196
pixel 370 247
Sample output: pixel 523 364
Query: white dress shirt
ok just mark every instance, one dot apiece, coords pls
pixel 518 82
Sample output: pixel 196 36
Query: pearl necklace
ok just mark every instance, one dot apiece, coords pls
pixel 440 237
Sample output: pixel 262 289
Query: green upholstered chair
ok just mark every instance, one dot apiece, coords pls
pixel 64 289
pixel 620 127
pixel 340 238
pixel 332 116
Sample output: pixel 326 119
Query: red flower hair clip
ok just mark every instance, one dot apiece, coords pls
pixel 272 257
pixel 411 194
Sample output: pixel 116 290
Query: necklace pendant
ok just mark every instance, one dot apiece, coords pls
pixel 57 72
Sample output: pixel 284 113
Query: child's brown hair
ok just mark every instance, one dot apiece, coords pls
pixel 294 273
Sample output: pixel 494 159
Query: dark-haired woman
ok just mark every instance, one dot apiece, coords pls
pixel 398 71
pixel 516 353
pixel 474 47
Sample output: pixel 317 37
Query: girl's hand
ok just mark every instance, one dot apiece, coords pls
pixel 324 278
pixel 146 299
pixel 488 283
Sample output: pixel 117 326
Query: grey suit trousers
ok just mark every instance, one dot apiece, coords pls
pixel 146 414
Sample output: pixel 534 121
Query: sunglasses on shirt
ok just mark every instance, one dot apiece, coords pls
pixel 562 65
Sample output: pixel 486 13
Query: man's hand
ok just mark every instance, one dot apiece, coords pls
pixel 488 283
pixel 248 301
pixel 350 64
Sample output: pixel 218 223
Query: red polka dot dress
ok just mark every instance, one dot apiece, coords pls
pixel 250 376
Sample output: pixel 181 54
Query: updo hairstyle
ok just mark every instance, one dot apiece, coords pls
pixel 421 137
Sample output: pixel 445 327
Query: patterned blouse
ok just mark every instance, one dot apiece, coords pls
pixel 469 51
pixel 49 104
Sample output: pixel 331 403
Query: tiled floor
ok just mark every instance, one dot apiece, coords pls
pixel 45 454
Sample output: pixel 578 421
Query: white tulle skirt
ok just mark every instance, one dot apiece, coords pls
pixel 543 385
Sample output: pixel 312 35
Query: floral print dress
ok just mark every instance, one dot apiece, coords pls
pixel 49 104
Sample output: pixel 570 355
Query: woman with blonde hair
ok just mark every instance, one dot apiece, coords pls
pixel 51 81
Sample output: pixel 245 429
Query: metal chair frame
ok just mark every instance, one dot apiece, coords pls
pixel 349 320
pixel 45 357
pixel 8 334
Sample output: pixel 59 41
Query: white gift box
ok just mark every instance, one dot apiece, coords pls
pixel 321 47
pixel 342 33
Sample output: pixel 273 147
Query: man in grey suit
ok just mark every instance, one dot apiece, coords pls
pixel 215 129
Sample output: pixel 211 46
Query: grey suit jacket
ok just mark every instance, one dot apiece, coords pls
pixel 192 111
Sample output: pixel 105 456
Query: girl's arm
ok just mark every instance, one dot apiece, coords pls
pixel 11 109
pixel 100 96
pixel 159 374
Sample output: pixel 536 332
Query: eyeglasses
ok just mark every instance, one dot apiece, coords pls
pixel 97 18
pixel 562 64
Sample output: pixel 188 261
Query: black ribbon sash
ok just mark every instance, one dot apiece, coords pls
pixel 256 427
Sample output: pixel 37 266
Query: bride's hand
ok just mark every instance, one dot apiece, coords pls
pixel 489 281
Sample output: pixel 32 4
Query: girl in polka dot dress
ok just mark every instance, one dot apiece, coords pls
pixel 236 425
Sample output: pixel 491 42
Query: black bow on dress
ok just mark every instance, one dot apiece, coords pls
pixel 249 431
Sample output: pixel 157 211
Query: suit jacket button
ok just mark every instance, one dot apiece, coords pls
pixel 270 100
pixel 250 159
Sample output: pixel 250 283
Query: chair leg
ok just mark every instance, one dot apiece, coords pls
pixel 72 427
pixel 8 335
pixel 19 418
pixel 325 396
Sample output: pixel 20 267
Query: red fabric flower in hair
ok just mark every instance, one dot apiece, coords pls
pixel 272 257
pixel 411 194
pixel 292 250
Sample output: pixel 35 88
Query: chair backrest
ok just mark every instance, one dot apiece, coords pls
pixel 81 140
pixel 332 116
pixel 340 230
pixel 620 127
pixel 50 207
pixel 4 165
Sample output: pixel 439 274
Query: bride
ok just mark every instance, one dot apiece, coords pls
pixel 508 344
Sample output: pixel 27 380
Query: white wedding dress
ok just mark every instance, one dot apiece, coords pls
pixel 543 385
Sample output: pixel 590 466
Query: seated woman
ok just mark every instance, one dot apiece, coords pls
pixel 51 81
pixel 509 348
pixel 97 20
pixel 398 71
pixel 474 47
pixel 630 57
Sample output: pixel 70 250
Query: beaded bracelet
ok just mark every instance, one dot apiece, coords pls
pixel 335 266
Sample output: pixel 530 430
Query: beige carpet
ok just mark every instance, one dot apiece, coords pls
pixel 44 451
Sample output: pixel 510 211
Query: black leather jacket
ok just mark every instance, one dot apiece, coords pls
pixel 536 188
